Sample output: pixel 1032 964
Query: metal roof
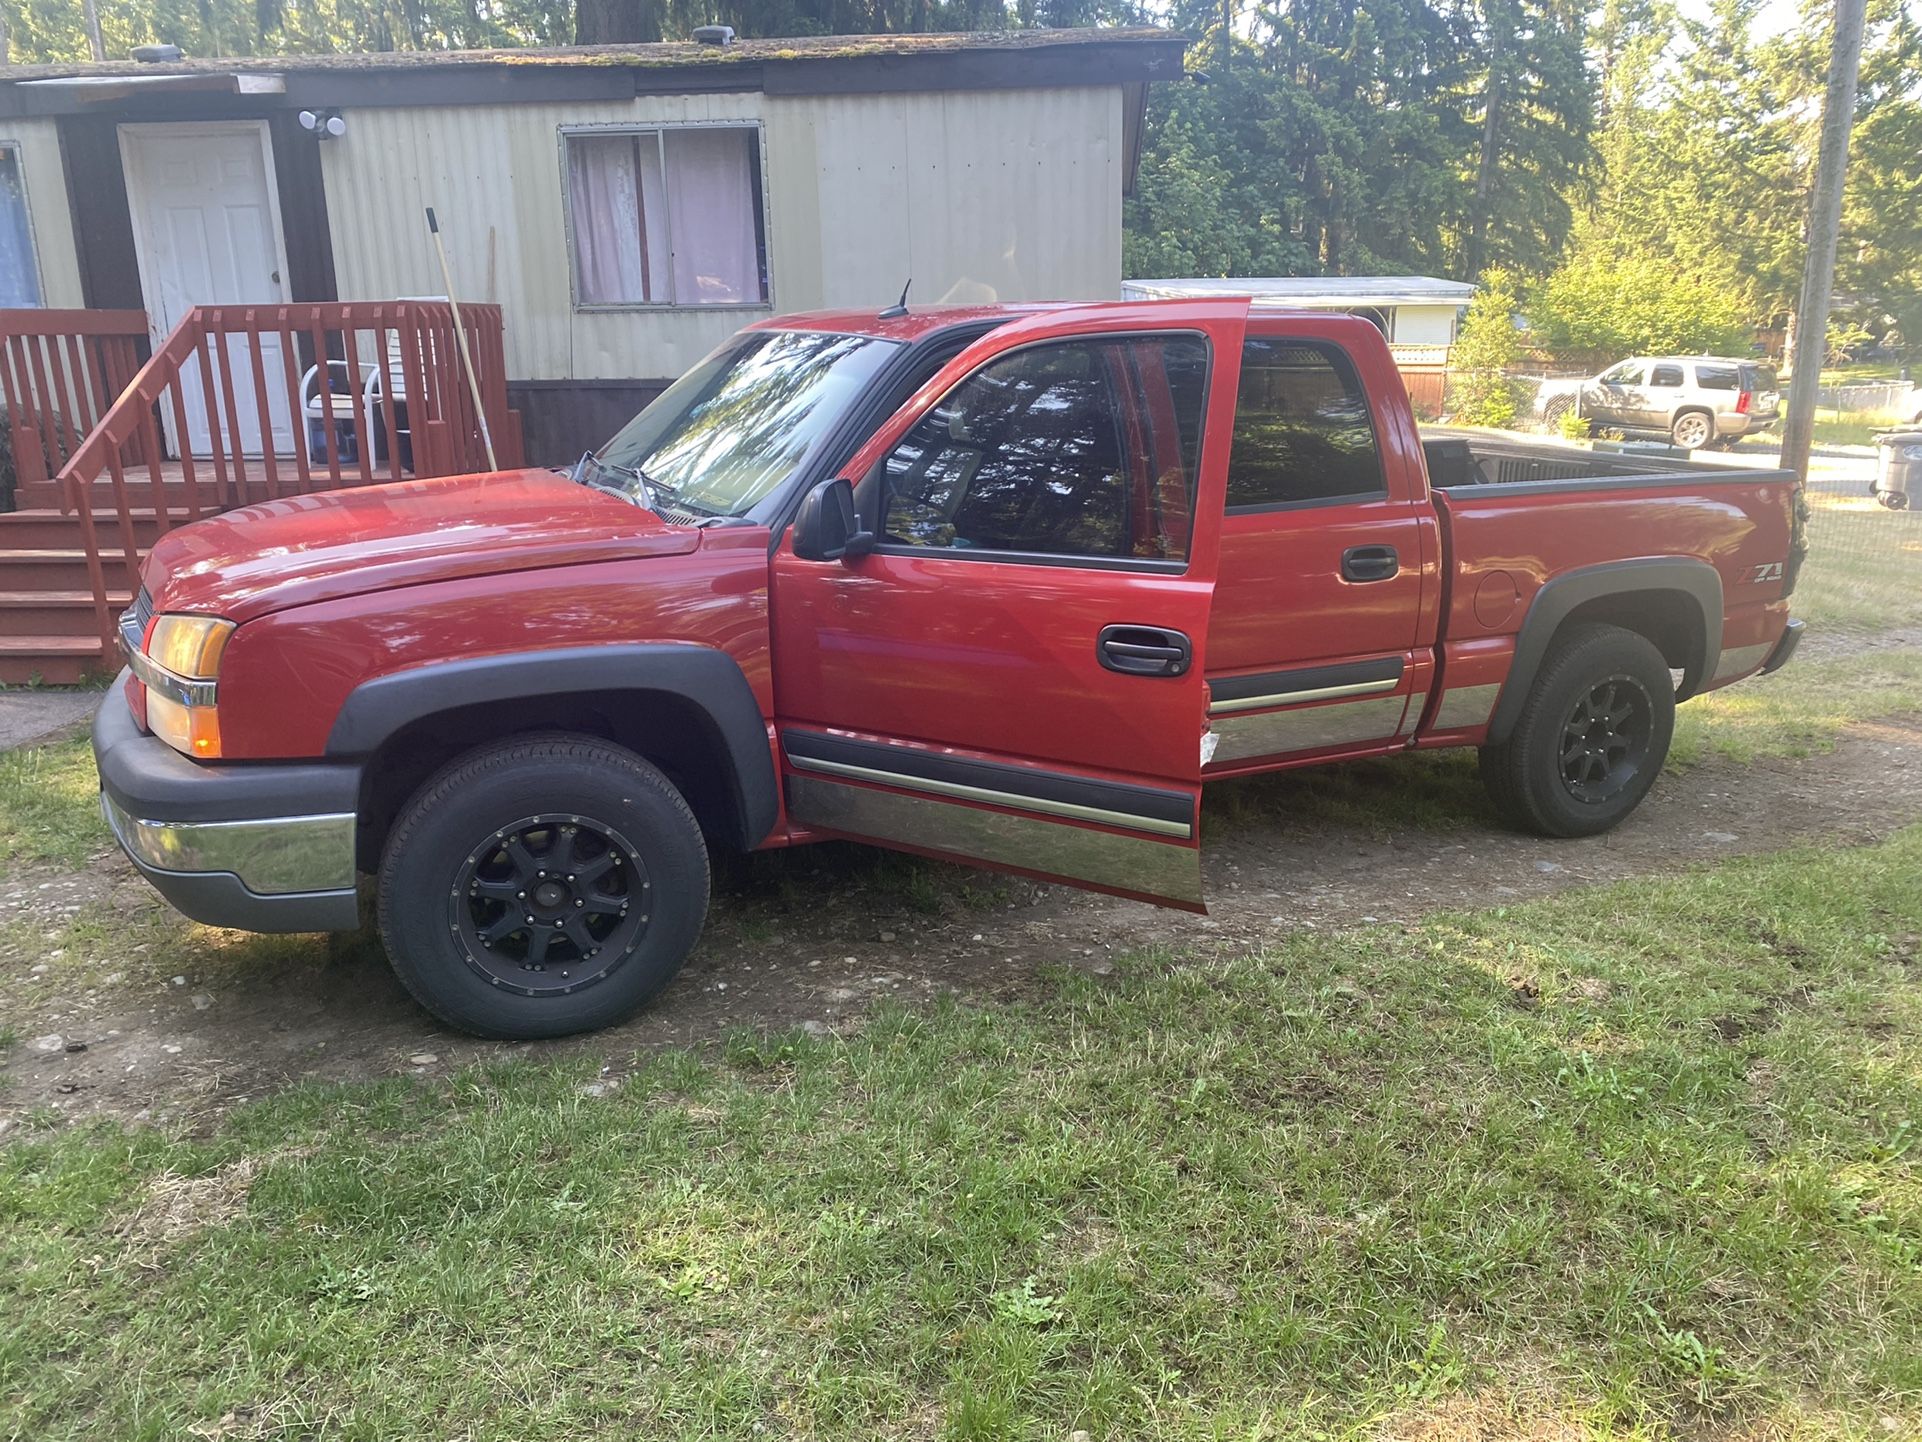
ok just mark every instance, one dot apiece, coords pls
pixel 1309 292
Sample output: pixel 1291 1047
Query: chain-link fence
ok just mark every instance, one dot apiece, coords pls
pixel 1863 575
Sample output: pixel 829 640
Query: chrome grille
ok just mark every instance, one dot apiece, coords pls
pixel 133 622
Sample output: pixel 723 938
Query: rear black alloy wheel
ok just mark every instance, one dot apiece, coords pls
pixel 545 885
pixel 1605 739
pixel 550 904
pixel 1591 736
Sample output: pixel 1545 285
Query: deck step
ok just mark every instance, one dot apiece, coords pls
pixel 55 612
pixel 60 568
pixel 40 529
pixel 52 660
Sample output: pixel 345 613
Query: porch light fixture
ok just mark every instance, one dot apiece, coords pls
pixel 325 124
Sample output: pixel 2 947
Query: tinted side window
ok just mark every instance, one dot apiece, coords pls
pixel 1083 448
pixel 1717 378
pixel 1302 428
pixel 1665 376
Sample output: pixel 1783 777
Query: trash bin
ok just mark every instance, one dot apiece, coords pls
pixel 346 411
pixel 1898 468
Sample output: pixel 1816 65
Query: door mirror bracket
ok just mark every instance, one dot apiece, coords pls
pixel 828 528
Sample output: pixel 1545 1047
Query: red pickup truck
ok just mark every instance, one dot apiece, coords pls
pixel 1002 585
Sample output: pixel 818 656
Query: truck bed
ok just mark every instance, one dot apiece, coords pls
pixel 1462 459
pixel 1518 514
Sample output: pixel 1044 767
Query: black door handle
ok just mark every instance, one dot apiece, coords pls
pixel 1370 563
pixel 1144 650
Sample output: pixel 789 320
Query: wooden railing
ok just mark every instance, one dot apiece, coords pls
pixel 243 404
pixel 59 372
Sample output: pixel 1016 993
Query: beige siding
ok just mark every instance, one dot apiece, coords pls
pixel 1424 324
pixel 1002 195
pixel 46 182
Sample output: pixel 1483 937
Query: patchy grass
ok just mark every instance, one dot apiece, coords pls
pixel 1802 709
pixel 1633 1162
pixel 50 804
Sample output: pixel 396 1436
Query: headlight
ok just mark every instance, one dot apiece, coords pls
pixel 180 666
pixel 189 646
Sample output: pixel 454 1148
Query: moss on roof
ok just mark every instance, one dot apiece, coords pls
pixel 787 49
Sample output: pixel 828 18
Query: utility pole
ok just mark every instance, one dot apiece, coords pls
pixel 94 42
pixel 1825 222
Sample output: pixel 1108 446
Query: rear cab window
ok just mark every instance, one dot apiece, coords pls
pixel 1304 435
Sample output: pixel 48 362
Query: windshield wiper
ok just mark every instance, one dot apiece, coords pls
pixel 589 463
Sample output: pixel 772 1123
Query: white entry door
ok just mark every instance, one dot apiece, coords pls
pixel 207 230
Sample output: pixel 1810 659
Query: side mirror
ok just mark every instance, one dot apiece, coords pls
pixel 827 528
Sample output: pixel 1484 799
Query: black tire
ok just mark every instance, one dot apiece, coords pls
pixel 1692 430
pixel 615 914
pixel 1554 410
pixel 1556 780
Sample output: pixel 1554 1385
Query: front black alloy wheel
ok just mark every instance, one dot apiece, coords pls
pixel 550 903
pixel 1591 737
pixel 542 886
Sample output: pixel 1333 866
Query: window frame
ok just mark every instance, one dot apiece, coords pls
pixel 763 227
pixel 7 143
pixel 1661 369
pixel 1358 498
pixel 1139 565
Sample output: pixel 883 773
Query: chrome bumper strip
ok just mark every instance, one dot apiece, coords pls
pixel 271 856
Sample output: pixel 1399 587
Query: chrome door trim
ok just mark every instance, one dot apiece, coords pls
pixel 1290 698
pixel 1739 660
pixel 1133 864
pixel 1314 728
pixel 1099 815
pixel 1463 706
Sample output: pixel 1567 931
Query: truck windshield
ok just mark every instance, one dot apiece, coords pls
pixel 730 431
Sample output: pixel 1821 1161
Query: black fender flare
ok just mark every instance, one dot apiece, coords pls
pixel 710 679
pixel 1559 598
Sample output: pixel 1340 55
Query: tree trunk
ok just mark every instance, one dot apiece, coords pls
pixel 1477 249
pixel 615 22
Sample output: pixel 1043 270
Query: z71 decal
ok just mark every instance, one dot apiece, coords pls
pixel 1767 571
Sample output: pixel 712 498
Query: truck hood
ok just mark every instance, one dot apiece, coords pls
pixel 303 549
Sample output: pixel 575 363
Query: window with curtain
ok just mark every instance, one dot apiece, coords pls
pixel 19 275
pixel 667 217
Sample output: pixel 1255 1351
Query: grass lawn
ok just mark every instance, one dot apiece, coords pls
pixel 1851 428
pixel 1637 1162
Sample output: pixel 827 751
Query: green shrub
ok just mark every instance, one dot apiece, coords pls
pixel 1480 391
pixel 1573 427
pixel 1639 306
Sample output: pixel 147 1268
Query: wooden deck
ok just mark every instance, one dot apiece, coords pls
pixel 229 375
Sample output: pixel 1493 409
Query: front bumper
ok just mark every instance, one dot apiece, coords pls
pixel 254 847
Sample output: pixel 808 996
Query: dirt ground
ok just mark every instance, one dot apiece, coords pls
pixel 812 938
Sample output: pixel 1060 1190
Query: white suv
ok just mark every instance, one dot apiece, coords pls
pixel 1695 401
